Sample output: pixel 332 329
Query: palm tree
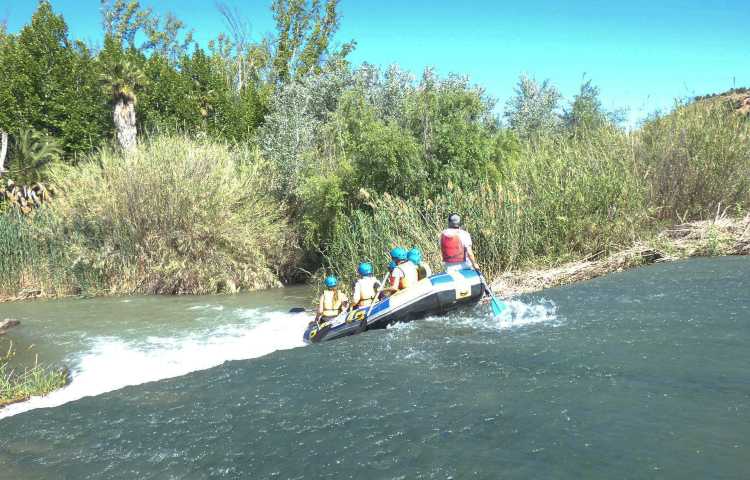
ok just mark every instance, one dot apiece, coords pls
pixel 121 79
pixel 33 152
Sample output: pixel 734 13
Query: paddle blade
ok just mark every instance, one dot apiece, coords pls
pixel 297 310
pixel 497 306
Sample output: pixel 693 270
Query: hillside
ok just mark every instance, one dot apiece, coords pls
pixel 739 97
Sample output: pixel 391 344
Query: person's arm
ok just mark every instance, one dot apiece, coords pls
pixel 319 313
pixel 357 295
pixel 344 302
pixel 393 281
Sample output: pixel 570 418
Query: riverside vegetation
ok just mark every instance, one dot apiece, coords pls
pixel 257 163
pixel 179 169
pixel 17 384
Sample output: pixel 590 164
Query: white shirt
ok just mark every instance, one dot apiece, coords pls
pixel 408 271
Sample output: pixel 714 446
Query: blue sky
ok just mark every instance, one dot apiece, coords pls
pixel 642 55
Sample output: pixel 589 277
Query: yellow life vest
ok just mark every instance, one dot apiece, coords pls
pixel 409 275
pixel 332 300
pixel 367 291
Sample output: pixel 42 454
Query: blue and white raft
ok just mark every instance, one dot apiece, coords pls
pixel 435 295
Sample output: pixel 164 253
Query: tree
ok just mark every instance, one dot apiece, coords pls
pixel 50 85
pixel 304 30
pixel 123 20
pixel 32 153
pixel 586 113
pixel 120 79
pixel 532 112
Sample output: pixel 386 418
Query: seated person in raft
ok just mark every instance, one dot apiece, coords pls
pixel 423 269
pixel 404 273
pixel 366 287
pixel 332 301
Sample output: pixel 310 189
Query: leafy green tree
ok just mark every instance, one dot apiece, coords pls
pixel 124 19
pixel 533 111
pixel 165 106
pixel 586 114
pixel 304 31
pixel 454 123
pixel 50 84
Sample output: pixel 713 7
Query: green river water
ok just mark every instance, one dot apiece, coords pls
pixel 641 374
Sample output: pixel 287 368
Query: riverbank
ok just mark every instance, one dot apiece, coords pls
pixel 719 236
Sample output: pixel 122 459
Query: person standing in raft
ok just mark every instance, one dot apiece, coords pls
pixel 403 275
pixel 366 287
pixel 455 244
pixel 423 269
pixel 332 302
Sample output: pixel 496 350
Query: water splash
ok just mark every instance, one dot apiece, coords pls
pixel 516 314
pixel 520 314
pixel 111 363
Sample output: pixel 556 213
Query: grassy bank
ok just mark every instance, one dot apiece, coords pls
pixel 18 384
pixel 176 216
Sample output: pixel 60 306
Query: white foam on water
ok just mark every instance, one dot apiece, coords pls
pixel 111 363
pixel 217 308
pixel 519 314
pixel 516 314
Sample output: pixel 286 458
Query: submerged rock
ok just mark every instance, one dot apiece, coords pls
pixel 7 324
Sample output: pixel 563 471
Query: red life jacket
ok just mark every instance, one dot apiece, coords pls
pixel 452 247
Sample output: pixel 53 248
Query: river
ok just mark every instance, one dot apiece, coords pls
pixel 640 374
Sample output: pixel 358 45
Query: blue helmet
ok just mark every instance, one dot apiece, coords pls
pixel 415 255
pixel 331 281
pixel 391 265
pixel 365 269
pixel 399 254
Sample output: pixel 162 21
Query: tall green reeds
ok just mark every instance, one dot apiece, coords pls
pixel 571 196
pixel 33 254
pixel 697 158
pixel 566 198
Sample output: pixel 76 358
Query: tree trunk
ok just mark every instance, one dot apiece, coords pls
pixel 124 117
pixel 3 150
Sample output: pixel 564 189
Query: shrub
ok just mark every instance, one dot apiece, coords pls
pixel 176 216
pixel 565 198
pixel 696 158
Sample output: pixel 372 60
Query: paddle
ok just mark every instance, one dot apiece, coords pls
pixel 299 310
pixel 377 294
pixel 497 305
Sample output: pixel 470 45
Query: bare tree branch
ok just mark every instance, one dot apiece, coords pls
pixel 240 32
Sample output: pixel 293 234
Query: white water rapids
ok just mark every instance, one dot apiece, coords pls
pixel 111 363
pixel 108 363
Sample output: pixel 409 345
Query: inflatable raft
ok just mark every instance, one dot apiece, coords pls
pixel 435 295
